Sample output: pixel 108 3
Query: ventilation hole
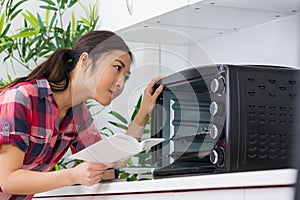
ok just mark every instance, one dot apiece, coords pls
pixel 251 106
pixel 252 120
pixel 252 149
pixel 292 95
pixel 263 142
pixel 292 82
pixel 272 108
pixel 251 156
pixel 273 156
pixel 272 114
pixel 272 94
pixel 252 142
pixel 272 121
pixel 262 87
pixel 282 122
pixel 273 143
pixel 262 121
pixel 283 143
pixel 251 113
pixel 283 108
pixel 284 137
pixel 251 93
pixel 272 81
pixel 282 88
pixel 273 135
pixel 251 79
pixel 263 149
pixel 283 115
pixel 263 156
pixel 252 135
pixel 262 107
pixel 262 135
pixel 262 114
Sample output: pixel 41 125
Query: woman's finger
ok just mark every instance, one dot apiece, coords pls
pixel 158 91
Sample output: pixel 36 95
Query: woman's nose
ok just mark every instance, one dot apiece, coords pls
pixel 120 83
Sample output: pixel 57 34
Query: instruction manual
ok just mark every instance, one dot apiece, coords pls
pixel 115 148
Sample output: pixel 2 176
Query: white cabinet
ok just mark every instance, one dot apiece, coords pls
pixel 282 7
pixel 118 14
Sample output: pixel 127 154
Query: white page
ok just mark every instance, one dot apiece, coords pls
pixel 148 143
pixel 115 148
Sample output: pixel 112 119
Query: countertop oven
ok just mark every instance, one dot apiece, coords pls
pixel 224 118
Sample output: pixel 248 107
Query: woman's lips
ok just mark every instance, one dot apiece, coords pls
pixel 113 94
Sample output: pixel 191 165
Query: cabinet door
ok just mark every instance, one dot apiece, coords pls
pixel 119 14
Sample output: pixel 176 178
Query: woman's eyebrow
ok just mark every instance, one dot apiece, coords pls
pixel 120 61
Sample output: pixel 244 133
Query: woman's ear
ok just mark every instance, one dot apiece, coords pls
pixel 84 60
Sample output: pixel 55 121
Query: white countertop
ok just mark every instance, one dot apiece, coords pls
pixel 267 178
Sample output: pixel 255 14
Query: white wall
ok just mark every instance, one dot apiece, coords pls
pixel 273 43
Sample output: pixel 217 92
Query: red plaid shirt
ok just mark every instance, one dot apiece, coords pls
pixel 29 120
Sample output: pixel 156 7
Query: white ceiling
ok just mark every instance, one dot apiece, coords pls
pixel 209 19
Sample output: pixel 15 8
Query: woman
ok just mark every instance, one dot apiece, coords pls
pixel 43 114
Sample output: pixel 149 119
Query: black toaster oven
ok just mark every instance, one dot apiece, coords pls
pixel 224 118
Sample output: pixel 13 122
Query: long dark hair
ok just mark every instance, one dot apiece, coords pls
pixel 56 69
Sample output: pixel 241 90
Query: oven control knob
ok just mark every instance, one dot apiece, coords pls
pixel 217 156
pixel 214 132
pixel 217 85
pixel 216 109
pixel 213 156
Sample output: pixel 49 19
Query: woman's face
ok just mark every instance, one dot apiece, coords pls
pixel 111 72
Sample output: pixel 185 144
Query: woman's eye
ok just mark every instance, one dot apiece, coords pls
pixel 118 67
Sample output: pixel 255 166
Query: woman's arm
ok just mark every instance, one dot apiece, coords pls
pixel 149 98
pixel 15 180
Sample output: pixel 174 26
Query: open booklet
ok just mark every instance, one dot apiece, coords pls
pixel 115 148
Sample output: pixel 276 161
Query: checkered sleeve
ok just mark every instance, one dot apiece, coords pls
pixel 15 117
pixel 87 132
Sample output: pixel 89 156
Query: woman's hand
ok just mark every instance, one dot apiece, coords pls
pixel 149 98
pixel 120 164
pixel 88 173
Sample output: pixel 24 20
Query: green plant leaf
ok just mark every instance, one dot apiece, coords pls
pixel 118 116
pixel 49 2
pixel 47 15
pixel 118 125
pixel 49 8
pixel 84 8
pixel 42 53
pixel 31 19
pixel 85 21
pixel 2 18
pixel 52 20
pixel 13 8
pixel 6 29
pixel 56 167
pixel 24 34
pixel 40 21
pixel 13 15
pixel 72 2
pixel 108 129
pixel 74 24
pixel 17 5
pixel 137 107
